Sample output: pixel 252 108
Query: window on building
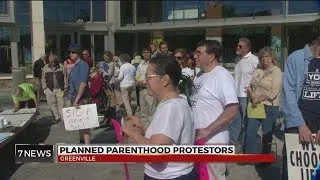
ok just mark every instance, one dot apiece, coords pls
pixel 124 43
pixel 143 11
pixel 65 41
pixel 3 6
pixel 98 47
pixel 82 10
pixel 5 50
pixel 22 6
pixel 299 36
pixel 126 12
pixel 23 24
pixel 85 42
pixel 24 46
pixel 303 7
pixel 66 10
pixel 99 11
pixel 50 10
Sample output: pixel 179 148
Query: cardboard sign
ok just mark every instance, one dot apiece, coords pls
pixel 302 160
pixel 85 117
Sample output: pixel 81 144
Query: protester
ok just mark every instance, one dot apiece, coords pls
pixel 117 90
pixel 147 103
pixel 136 61
pixel 87 58
pixel 127 82
pixel 53 82
pixel 182 58
pixel 25 95
pixel 301 111
pixel 214 101
pixel 68 64
pixel 163 49
pixel 265 88
pixel 172 123
pixel 37 73
pixel 246 65
pixel 78 93
pixel 95 85
pixel 154 49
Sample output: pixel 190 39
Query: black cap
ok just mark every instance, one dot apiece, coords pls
pixel 74 48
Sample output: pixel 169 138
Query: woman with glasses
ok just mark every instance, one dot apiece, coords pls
pixel 171 123
pixel 182 58
pixel 87 58
pixel 264 88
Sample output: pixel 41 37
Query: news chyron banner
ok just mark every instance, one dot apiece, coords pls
pixel 65 153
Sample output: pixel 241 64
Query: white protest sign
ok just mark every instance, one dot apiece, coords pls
pixel 302 160
pixel 84 117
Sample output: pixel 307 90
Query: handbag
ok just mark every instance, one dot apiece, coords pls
pixel 256 111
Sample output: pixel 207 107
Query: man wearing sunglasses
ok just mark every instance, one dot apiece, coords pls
pixel 87 58
pixel 78 92
pixel 246 65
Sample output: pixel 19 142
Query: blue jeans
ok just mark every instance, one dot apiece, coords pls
pixel 267 129
pixel 239 124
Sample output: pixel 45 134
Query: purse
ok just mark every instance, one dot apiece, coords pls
pixel 256 111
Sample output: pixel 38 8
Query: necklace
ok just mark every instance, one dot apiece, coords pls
pixel 164 99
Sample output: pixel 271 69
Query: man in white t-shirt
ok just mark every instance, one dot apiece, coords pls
pixel 246 65
pixel 127 82
pixel 214 101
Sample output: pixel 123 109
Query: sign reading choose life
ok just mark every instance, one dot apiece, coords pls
pixel 85 117
pixel 302 160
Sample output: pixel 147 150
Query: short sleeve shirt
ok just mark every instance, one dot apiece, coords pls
pixel 173 119
pixel 78 74
pixel 213 91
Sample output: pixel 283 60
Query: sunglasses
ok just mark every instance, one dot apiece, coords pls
pixel 178 58
pixel 72 52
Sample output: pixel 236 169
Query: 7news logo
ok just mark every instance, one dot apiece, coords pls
pixel 25 153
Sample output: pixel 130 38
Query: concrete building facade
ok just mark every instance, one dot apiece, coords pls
pixel 31 28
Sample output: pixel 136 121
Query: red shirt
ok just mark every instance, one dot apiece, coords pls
pixel 96 84
pixel 89 61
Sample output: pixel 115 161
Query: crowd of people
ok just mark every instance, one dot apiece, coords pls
pixel 187 97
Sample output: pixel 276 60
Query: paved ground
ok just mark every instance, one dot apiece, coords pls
pixel 42 131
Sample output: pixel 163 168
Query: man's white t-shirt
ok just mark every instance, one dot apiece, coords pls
pixel 173 119
pixel 213 91
pixel 244 70
pixel 127 74
pixel 187 71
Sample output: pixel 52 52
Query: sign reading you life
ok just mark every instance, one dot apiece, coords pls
pixel 84 117
pixel 302 160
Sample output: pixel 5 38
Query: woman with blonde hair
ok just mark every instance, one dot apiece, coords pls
pixel 265 88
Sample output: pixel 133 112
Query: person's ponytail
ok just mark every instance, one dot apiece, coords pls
pixel 185 87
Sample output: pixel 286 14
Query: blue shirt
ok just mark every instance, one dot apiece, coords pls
pixel 78 74
pixel 295 72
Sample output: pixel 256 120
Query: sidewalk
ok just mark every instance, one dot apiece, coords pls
pixel 44 132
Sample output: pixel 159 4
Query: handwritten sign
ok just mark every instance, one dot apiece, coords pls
pixel 83 118
pixel 302 160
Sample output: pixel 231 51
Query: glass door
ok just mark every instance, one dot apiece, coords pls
pixel 65 41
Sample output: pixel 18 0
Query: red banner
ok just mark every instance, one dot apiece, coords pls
pixel 243 158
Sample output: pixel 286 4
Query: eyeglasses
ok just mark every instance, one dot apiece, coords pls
pixel 150 76
pixel 178 57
